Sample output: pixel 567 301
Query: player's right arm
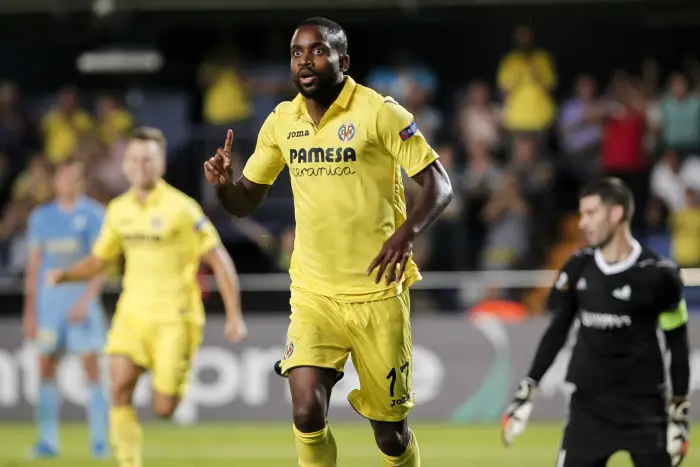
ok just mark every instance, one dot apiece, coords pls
pixel 106 249
pixel 563 303
pixel 242 197
pixel 31 277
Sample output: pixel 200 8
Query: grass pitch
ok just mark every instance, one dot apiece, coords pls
pixel 272 445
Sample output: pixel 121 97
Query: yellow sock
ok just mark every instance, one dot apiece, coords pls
pixel 316 449
pixel 126 436
pixel 409 458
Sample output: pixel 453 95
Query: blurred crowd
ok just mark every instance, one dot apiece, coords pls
pixel 517 149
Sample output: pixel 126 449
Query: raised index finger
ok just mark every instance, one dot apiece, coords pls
pixel 229 142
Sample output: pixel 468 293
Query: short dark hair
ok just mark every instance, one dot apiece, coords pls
pixel 612 191
pixel 336 34
pixel 71 160
pixel 147 133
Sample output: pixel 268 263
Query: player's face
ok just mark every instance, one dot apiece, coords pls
pixel 144 163
pixel 68 180
pixel 316 66
pixel 598 220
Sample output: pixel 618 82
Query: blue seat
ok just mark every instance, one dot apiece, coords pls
pixel 661 244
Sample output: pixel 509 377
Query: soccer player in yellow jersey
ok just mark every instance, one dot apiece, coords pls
pixel 157 326
pixel 345 146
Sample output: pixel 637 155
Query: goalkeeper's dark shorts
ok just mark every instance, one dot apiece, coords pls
pixel 599 425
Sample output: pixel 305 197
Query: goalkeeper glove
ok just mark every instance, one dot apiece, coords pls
pixel 518 412
pixel 678 432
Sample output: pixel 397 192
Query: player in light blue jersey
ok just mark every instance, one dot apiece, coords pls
pixel 67 317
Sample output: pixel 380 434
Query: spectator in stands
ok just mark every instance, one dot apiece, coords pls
pixel 226 96
pixel 64 126
pixel 671 177
pixel 680 116
pixel 526 77
pixel 480 179
pixel 31 188
pixel 114 122
pixel 691 69
pixel 531 167
pixel 427 117
pixel 445 233
pixel 285 249
pixel 650 89
pixel 13 125
pixel 623 152
pixel 478 119
pixel 685 237
pixel 105 177
pixel 270 75
pixel 535 175
pixel 394 80
pixel 580 130
pixel 506 217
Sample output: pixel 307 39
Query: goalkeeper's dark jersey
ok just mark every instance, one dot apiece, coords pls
pixel 622 309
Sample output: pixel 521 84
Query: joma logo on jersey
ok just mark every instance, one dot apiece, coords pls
pixel 300 156
pixel 298 134
pixel 403 400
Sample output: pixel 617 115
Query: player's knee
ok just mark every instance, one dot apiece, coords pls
pixel 91 367
pixel 121 391
pixel 309 414
pixel 392 438
pixel 164 406
pixel 47 367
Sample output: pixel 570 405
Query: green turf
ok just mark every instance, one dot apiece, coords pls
pixel 272 445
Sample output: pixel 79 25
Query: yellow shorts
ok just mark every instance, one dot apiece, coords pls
pixel 377 334
pixel 166 348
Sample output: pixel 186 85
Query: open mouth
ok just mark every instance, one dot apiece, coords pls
pixel 307 77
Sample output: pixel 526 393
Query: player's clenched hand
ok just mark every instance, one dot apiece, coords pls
pixel 518 411
pixel 218 169
pixel 678 431
pixel 236 329
pixel 394 254
pixel 54 276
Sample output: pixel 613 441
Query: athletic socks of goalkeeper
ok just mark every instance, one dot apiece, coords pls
pixel 409 458
pixel 316 449
pixel 126 436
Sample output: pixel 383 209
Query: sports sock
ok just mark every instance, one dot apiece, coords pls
pixel 97 415
pixel 409 458
pixel 316 449
pixel 47 408
pixel 126 436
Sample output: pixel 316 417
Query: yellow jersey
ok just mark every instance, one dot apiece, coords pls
pixel 347 187
pixel 528 105
pixel 114 126
pixel 162 241
pixel 62 133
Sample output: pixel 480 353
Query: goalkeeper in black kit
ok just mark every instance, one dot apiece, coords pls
pixel 629 303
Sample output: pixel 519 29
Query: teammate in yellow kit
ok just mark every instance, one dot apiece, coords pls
pixel 345 146
pixel 158 323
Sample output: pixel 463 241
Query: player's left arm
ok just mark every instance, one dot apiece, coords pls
pixel 674 322
pixel 106 249
pixel 213 253
pixel 96 282
pixel 398 133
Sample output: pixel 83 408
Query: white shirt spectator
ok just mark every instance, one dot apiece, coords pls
pixel 669 185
